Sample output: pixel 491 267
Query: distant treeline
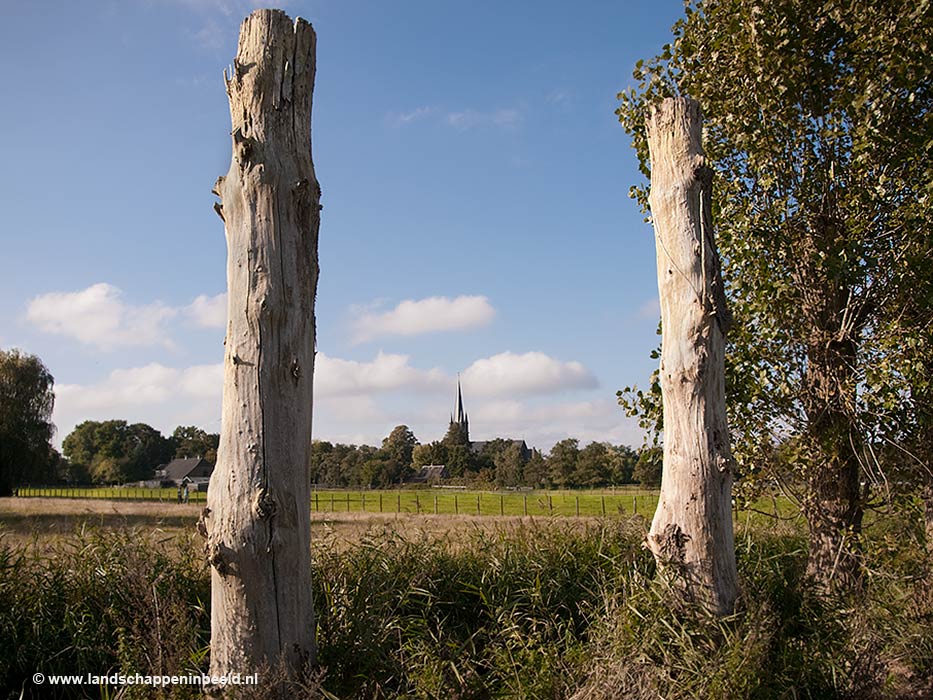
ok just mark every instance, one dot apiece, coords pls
pixel 117 452
pixel 499 462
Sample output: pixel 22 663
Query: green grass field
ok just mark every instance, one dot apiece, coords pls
pixel 484 503
pixel 591 503
pixel 425 501
pixel 110 493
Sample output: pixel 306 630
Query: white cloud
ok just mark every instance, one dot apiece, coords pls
pixel 336 377
pixel 98 316
pixel 471 118
pixel 512 374
pixel 399 119
pixel 650 309
pixel 541 425
pixel 139 386
pixel 209 312
pixel 356 402
pixel 413 317
pixel 161 396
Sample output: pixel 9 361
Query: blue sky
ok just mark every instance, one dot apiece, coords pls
pixel 476 216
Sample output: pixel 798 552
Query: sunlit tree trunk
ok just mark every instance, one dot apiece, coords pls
pixel 691 535
pixel 257 519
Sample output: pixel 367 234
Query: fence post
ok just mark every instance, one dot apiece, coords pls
pixel 635 505
pixel 576 498
pixel 477 505
pixel 435 504
pixel 603 500
pixel 380 501
pixel 525 504
pixel 456 504
pixel 501 505
pixel 331 501
pixel 362 501
pixel 398 502
pixel 348 501
pixel 417 504
pixel 550 505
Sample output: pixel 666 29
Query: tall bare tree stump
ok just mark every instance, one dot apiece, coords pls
pixel 258 520
pixel 691 535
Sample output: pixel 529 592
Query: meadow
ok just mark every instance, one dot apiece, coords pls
pixel 460 606
pixel 624 500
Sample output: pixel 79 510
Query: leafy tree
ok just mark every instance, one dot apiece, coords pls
pixel 456 435
pixel 431 453
pixel 562 462
pixel 647 471
pixel 818 134
pixel 321 451
pixel 115 452
pixel 460 460
pixel 377 471
pixel 342 465
pixel 509 463
pixel 26 402
pixel 535 471
pixel 398 446
pixel 70 472
pixel 191 441
pixel 592 468
pixel 622 460
pixel 352 465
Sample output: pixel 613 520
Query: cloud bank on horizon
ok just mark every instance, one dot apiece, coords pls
pixel 505 388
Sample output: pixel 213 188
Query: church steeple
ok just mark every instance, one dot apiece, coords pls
pixel 461 421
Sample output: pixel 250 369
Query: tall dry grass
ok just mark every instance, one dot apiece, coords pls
pixel 509 609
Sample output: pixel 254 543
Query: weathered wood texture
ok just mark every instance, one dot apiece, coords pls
pixel 257 519
pixel 691 535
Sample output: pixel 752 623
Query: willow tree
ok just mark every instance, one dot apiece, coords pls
pixel 257 519
pixel 691 533
pixel 26 429
pixel 818 133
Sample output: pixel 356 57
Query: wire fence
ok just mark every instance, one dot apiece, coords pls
pixel 415 502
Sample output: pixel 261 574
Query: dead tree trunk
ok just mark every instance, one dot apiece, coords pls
pixel 691 535
pixel 258 519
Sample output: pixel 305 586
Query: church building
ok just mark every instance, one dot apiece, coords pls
pixel 460 425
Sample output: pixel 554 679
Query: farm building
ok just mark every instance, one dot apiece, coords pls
pixel 195 469
pixel 429 473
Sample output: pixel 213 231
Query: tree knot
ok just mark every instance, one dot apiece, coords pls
pixel 218 556
pixel 264 504
pixel 202 522
pixel 672 544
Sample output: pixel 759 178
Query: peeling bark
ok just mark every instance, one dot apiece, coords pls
pixel 257 521
pixel 691 535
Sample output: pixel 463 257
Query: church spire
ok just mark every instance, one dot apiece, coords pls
pixel 461 414
pixel 460 419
